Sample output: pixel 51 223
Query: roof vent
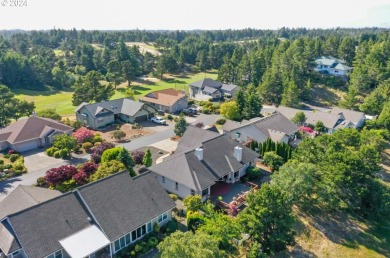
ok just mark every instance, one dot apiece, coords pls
pixel 89 219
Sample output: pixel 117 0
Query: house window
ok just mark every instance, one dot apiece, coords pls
pixel 163 179
pixel 122 242
pixel 57 254
pixel 162 217
pixel 149 227
pixel 192 192
pixel 236 174
pixel 176 186
pixel 100 120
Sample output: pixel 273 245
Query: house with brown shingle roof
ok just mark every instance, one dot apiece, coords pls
pixel 168 100
pixel 31 133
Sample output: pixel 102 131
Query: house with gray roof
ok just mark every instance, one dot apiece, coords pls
pixel 353 119
pixel 207 88
pixel 202 161
pixel 100 114
pixel 31 133
pixel 95 220
pixel 276 126
pixel 332 65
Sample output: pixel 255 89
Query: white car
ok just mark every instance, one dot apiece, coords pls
pixel 158 120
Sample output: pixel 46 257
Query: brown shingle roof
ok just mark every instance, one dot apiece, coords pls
pixel 30 128
pixel 167 97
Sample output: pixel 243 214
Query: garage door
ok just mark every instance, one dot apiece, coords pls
pixel 26 146
pixel 141 118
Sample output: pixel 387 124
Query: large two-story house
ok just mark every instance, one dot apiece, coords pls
pixel 203 157
pixel 100 114
pixel 332 65
pixel 210 89
pixel 95 220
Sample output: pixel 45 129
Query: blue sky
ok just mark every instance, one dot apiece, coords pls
pixel 188 15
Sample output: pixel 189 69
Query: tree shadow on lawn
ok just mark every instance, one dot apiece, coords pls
pixel 171 80
pixel 139 89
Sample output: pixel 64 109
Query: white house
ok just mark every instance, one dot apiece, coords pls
pixel 207 88
pixel 332 65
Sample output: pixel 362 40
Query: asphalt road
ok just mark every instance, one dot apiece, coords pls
pixel 162 134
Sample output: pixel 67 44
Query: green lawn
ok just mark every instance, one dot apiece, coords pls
pixel 62 100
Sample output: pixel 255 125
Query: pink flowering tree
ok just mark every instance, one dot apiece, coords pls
pixel 83 134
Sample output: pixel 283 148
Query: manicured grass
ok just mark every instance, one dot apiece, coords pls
pixel 62 100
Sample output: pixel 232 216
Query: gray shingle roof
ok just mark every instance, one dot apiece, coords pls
pixel 218 160
pixel 193 137
pixel 229 87
pixel 39 228
pixel 8 240
pixel 276 122
pixel 23 197
pixel 121 204
pixel 209 89
pixel 231 125
pixel 351 115
pixel 30 128
pixel 206 82
pixel 117 106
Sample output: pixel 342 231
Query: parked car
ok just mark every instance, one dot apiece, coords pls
pixel 194 110
pixel 187 112
pixel 158 120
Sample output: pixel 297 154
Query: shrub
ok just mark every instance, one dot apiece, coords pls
pixel 193 202
pixel 83 134
pixel 97 144
pixel 7 166
pixel 173 197
pixel 1 162
pixel 98 151
pixel 118 135
pixel 170 117
pixel 106 169
pixel 89 168
pixel 1 168
pixel 64 153
pixel 50 151
pixel 156 227
pixel 172 226
pixel 111 154
pixel 138 248
pixel 175 119
pixel 19 167
pixel 59 175
pixel 96 138
pixel 253 172
pixel 6 156
pixel 87 146
pixel 41 181
pixel 80 177
pixel 153 242
pixel 138 157
pixel 220 121
pixel 206 110
pixel 66 186
pixel 11 152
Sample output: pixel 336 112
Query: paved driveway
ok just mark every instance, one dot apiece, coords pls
pixel 37 160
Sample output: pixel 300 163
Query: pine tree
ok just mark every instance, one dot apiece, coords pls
pixel 147 161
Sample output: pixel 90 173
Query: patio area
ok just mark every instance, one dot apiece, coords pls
pixel 227 191
pixel 233 196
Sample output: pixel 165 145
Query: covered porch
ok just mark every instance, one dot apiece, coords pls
pixel 91 242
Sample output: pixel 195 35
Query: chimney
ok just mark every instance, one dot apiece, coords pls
pixel 238 153
pixel 199 153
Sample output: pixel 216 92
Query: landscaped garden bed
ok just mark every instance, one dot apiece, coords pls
pixel 11 165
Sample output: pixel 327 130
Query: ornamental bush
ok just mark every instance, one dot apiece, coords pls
pixel 57 154
pixel 14 157
pixel 50 151
pixel 59 175
pixel 87 146
pixel 1 162
pixel 83 134
pixel 64 153
pixel 138 157
pixel 98 151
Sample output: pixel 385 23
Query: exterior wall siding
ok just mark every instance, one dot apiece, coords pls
pixel 179 105
pixel 170 186
pixel 4 146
